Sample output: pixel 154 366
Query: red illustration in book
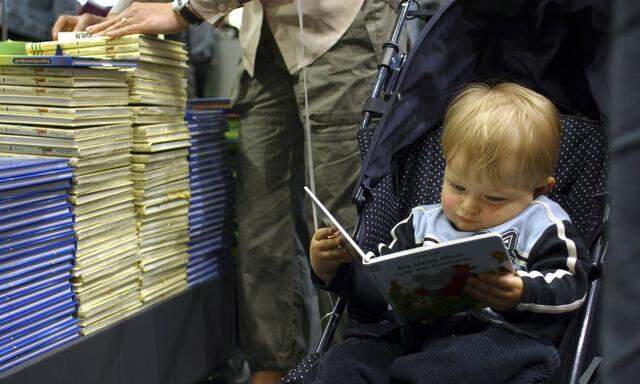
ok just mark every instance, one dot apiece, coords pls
pixel 461 272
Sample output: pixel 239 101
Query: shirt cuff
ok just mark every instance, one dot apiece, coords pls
pixel 214 11
pixel 337 284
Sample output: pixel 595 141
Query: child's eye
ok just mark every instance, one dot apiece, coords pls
pixel 495 199
pixel 457 187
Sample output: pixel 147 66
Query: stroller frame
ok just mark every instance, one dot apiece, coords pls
pixel 576 347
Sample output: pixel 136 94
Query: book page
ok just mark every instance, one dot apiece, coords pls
pixel 428 282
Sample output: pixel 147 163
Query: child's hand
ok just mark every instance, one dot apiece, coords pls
pixel 500 292
pixel 327 253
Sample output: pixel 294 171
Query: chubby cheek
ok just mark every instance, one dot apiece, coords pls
pixel 449 203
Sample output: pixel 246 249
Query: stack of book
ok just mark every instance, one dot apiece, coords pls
pixel 211 210
pixel 97 139
pixel 157 96
pixel 159 78
pixel 37 248
pixel 161 188
pixel 160 166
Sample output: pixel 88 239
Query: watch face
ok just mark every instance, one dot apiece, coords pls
pixel 179 4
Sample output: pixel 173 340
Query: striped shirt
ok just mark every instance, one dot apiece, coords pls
pixel 546 251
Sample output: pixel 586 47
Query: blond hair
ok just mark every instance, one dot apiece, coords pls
pixel 491 125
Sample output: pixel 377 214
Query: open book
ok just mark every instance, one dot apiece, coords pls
pixel 427 282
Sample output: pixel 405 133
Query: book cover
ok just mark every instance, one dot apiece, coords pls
pixel 33 286
pixel 63 61
pixel 63 81
pixel 36 344
pixel 28 297
pixel 39 227
pixel 56 73
pixel 35 334
pixel 47 318
pixel 12 167
pixel 12 275
pixel 46 310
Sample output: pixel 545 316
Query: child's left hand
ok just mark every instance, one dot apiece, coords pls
pixel 500 292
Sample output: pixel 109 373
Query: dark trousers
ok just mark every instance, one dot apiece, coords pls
pixel 491 355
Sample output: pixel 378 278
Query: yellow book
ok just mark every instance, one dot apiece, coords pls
pixel 71 134
pixel 156 157
pixel 61 81
pixel 102 73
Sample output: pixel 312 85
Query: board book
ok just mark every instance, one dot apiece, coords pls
pixel 427 282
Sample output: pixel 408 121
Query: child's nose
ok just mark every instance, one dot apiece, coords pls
pixel 470 206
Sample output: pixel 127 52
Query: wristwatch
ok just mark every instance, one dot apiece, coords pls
pixel 181 7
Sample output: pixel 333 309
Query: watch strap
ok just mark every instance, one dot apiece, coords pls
pixel 188 15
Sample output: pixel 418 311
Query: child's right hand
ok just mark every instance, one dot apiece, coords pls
pixel 327 253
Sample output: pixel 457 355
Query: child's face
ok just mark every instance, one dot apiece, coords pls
pixel 472 203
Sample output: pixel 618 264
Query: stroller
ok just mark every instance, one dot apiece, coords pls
pixel 555 48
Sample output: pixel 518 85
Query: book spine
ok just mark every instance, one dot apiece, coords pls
pixel 39 61
pixel 37 81
pixel 36 131
pixel 91 51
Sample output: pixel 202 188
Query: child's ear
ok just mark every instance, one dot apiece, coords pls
pixel 545 187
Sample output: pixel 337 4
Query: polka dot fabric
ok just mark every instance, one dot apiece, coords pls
pixel 581 175
pixel 305 372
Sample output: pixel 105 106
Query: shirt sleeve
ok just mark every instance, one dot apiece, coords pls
pixel 120 6
pixel 556 279
pixel 402 236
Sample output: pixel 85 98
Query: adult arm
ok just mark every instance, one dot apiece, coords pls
pixel 155 18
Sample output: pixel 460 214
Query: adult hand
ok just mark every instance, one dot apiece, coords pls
pixel 500 292
pixel 326 253
pixel 149 18
pixel 68 23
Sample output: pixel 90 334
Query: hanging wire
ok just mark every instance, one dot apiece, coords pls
pixel 307 131
pixel 307 124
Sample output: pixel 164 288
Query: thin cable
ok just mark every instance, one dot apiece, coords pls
pixel 307 131
pixel 307 124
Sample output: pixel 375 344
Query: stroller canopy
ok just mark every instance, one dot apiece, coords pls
pixel 556 48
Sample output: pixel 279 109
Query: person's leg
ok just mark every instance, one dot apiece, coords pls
pixel 338 85
pixel 358 360
pixel 273 318
pixel 491 356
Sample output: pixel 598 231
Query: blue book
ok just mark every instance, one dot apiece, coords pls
pixel 209 199
pixel 202 276
pixel 37 343
pixel 221 181
pixel 15 166
pixel 38 318
pixel 24 201
pixel 199 263
pixel 34 190
pixel 30 297
pixel 36 252
pixel 36 238
pixel 33 208
pixel 62 61
pixel 207 248
pixel 33 221
pixel 38 179
pixel 32 286
pixel 47 272
pixel 38 352
pixel 48 262
pixel 39 227
pixel 23 313
pixel 38 333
